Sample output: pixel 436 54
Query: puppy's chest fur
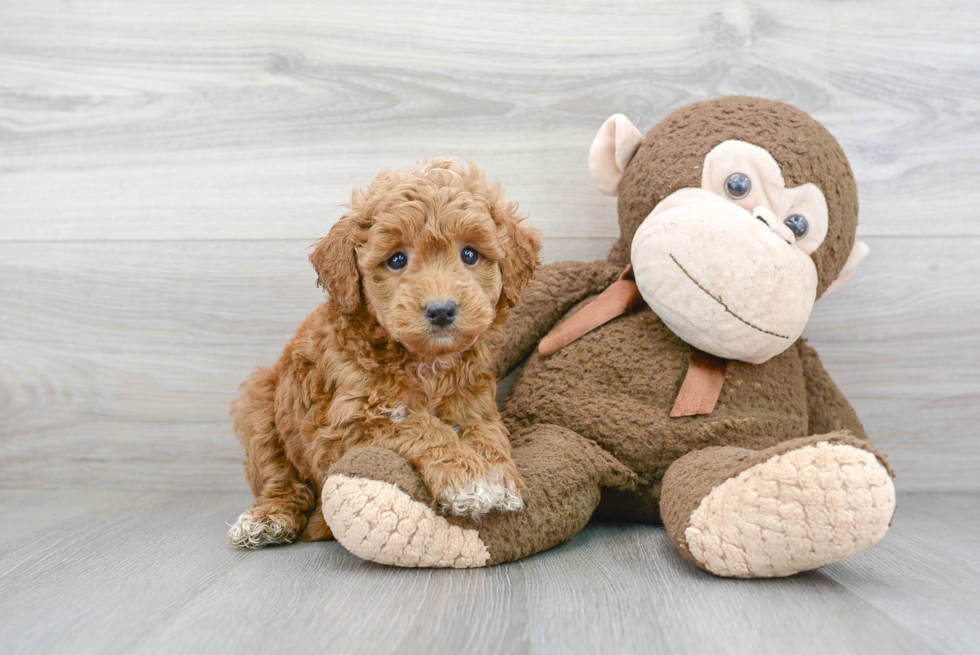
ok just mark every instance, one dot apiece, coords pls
pixel 357 388
pixel 421 387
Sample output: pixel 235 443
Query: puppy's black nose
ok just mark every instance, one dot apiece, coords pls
pixel 441 313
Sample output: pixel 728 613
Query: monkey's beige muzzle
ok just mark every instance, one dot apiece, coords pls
pixel 722 279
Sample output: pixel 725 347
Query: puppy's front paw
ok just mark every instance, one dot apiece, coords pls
pixel 480 497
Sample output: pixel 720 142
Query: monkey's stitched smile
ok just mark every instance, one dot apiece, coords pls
pixel 720 302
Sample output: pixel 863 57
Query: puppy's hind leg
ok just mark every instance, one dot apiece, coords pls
pixel 316 528
pixel 282 498
pixel 279 517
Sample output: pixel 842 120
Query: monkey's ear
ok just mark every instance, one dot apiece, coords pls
pixel 858 253
pixel 611 151
pixel 335 260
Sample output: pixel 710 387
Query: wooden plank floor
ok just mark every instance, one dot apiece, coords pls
pixel 150 572
pixel 164 168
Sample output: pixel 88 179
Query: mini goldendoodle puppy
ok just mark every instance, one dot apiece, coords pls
pixel 421 274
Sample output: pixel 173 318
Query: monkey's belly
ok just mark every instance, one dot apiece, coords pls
pixel 617 385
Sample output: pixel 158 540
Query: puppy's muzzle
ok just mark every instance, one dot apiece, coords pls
pixel 441 312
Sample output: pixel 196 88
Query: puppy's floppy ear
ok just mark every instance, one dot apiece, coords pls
pixel 335 260
pixel 522 248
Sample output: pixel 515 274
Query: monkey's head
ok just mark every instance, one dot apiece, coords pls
pixel 736 214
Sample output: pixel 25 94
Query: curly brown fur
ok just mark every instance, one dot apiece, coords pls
pixel 369 368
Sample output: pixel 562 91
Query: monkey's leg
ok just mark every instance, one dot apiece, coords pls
pixel 378 507
pixel 794 507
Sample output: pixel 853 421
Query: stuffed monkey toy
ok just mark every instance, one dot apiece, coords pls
pixel 675 388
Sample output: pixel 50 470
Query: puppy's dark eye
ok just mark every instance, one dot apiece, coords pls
pixel 397 261
pixel 469 256
pixel 738 185
pixel 797 224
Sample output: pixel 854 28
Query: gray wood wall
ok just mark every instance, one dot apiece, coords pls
pixel 165 166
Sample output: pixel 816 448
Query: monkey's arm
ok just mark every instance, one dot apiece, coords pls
pixel 828 408
pixel 555 289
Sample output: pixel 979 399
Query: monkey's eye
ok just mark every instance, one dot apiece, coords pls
pixel 397 261
pixel 738 185
pixel 469 256
pixel 797 224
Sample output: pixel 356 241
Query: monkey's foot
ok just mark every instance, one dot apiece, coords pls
pixel 379 508
pixel 792 508
pixel 387 515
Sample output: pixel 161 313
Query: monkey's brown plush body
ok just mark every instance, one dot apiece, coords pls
pixel 776 477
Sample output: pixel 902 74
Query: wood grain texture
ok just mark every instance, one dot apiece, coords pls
pixel 142 346
pixel 164 167
pixel 932 565
pixel 151 572
pixel 221 119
